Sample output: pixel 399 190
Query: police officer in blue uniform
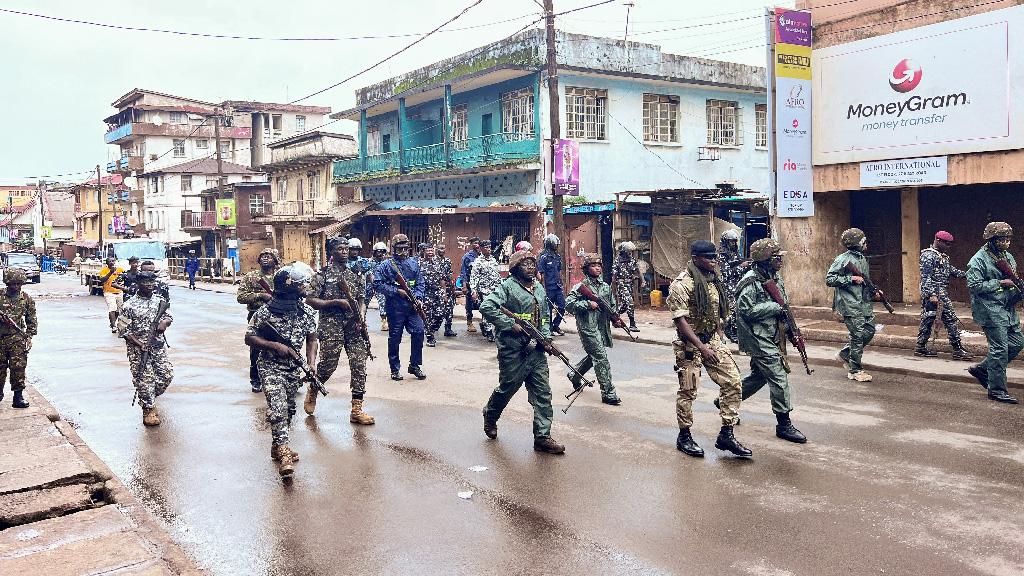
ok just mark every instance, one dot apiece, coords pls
pixel 400 311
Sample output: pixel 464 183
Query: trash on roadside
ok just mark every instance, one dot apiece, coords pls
pixel 467 495
pixel 878 327
pixel 477 468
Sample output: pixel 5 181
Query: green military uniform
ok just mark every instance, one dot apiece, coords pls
pixel 854 303
pixel 519 364
pixel 338 329
pixel 994 308
pixel 706 324
pixel 595 333
pixel 15 342
pixel 762 337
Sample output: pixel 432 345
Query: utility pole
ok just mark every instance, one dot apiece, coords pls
pixel 557 201
pixel 99 201
pixel 220 173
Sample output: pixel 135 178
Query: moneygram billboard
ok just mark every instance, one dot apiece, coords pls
pixel 947 88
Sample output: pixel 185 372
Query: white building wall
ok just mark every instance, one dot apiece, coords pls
pixel 163 204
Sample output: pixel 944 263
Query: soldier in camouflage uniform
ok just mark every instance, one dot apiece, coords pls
pixel 936 271
pixel 280 373
pixel 434 291
pixel 731 266
pixel 448 304
pixel 339 326
pixel 254 291
pixel 484 279
pixel 853 301
pixel 135 323
pixel 17 328
pixel 594 327
pixel 625 273
pixel 697 301
pixel 380 254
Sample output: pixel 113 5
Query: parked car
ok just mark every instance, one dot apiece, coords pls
pixel 22 261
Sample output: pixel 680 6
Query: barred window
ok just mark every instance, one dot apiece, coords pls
pixel 179 148
pixel 415 227
pixel 585 110
pixel 256 205
pixel 460 128
pixel 517 114
pixel 313 185
pixel 761 125
pixel 661 118
pixel 282 189
pixel 724 123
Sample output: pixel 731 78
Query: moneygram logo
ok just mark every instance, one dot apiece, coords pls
pixel 905 76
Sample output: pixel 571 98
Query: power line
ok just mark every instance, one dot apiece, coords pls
pixel 656 155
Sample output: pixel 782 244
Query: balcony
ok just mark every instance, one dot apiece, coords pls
pixel 205 220
pixel 122 132
pixel 126 164
pixel 302 210
pixel 478 152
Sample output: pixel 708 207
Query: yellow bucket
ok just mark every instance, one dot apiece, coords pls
pixel 655 298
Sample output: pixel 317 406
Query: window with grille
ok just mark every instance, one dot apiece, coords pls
pixel 300 192
pixel 179 118
pixel 661 118
pixel 507 229
pixel 300 123
pixel 415 227
pixel 372 141
pixel 585 111
pixel 517 114
pixel 256 205
pixel 282 189
pixel 186 183
pixel 724 124
pixel 460 128
pixel 761 125
pixel 211 182
pixel 313 185
pixel 179 148
pixel 225 148
pixel 202 144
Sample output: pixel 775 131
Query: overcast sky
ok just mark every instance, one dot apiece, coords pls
pixel 60 78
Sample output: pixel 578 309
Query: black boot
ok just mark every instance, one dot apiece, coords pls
pixel 448 332
pixel 997 396
pixel 726 441
pixel 632 323
pixel 980 374
pixel 961 353
pixel 784 429
pixel 19 400
pixel 431 342
pixel 924 352
pixel 415 371
pixel 490 429
pixel 397 376
pixel 686 445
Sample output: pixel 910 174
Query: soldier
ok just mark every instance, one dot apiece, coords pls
pixel 401 313
pixel 434 290
pixel 448 305
pixel 853 301
pixel 136 324
pixel 994 299
pixel 467 267
pixel 18 326
pixel 294 322
pixel 339 326
pixel 254 291
pixel 162 288
pixel 483 279
pixel 594 327
pixel 550 266
pixel 698 305
pixel 380 253
pixel 762 336
pixel 936 271
pixel 732 267
pixel 355 261
pixel 625 273
pixel 521 361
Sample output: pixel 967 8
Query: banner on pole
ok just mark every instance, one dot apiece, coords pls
pixel 566 173
pixel 227 215
pixel 791 69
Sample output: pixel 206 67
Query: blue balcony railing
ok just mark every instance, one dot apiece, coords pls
pixel 118 133
pixel 493 149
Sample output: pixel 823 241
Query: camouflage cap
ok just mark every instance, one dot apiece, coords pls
pixel 627 246
pixel 592 259
pixel 997 229
pixel 852 237
pixel 520 257
pixel 15 276
pixel 764 249
pixel 399 239
pixel 273 252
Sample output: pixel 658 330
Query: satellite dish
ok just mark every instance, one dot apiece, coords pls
pixel 157 120
pixel 133 221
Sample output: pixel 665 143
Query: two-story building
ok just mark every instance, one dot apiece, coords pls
pixel 456 149
pixel 98 210
pixel 225 221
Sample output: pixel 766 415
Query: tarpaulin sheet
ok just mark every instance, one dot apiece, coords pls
pixel 672 235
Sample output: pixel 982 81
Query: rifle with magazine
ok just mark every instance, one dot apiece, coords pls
pixel 792 330
pixel 9 322
pixel 268 331
pixel 416 305
pixel 1004 266
pixel 357 311
pixel 152 339
pixel 604 307
pixel 853 271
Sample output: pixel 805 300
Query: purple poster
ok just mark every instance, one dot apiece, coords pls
pixel 792 27
pixel 567 168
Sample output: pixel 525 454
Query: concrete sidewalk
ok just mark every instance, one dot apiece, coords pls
pixel 63 513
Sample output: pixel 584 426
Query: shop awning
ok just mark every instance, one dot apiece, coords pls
pixel 344 216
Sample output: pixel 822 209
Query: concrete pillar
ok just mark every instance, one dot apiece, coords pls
pixel 401 135
pixel 448 125
pixel 256 153
pixel 910 222
pixel 362 139
pixel 536 108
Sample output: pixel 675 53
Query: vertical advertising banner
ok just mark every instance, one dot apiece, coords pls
pixel 567 168
pixel 226 213
pixel 791 71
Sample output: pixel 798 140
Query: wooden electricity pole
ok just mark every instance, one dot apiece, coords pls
pixel 557 201
pixel 99 201
pixel 218 116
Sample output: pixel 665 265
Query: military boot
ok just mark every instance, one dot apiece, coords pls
pixel 358 416
pixel 1002 397
pixel 961 353
pixel 150 417
pixel 470 327
pixel 285 461
pixel 256 386
pixel 726 441
pixel 417 372
pixel 490 429
pixel 448 332
pixel 431 341
pixel 547 446
pixel 784 429
pixel 980 374
pixel 275 453
pixel 309 404
pixel 19 400
pixel 925 352
pixel 686 444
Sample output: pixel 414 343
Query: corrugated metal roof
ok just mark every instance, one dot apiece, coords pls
pixel 344 217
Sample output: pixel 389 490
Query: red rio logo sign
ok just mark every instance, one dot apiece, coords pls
pixel 905 76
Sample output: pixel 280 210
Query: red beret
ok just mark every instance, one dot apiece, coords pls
pixel 943 235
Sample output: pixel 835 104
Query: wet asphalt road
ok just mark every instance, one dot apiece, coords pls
pixel 901 476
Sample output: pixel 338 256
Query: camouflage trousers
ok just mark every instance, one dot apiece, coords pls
pixel 929 312
pixel 335 335
pixel 280 385
pixel 370 293
pixel 434 306
pixel 152 379
pixel 624 295
pixel 726 374
pixel 13 357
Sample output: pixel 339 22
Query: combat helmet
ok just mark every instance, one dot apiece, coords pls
pixel 399 239
pixel 627 246
pixel 380 246
pixel 764 249
pixel 997 229
pixel 852 237
pixel 519 257
pixel 355 243
pixel 15 276
pixel 551 241
pixel 730 235
pixel 592 258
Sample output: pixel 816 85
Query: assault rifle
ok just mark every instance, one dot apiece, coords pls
pixel 535 335
pixel 1004 266
pixel 852 270
pixel 604 307
pixel 9 322
pixel 151 340
pixel 792 330
pixel 408 292
pixel 359 318
pixel 266 286
pixel 268 331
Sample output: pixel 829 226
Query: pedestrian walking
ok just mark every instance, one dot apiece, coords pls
pixel 732 266
pixel 762 335
pixel 483 279
pixel 18 325
pixel 255 290
pixel 853 300
pixel 521 361
pixel 340 325
pixel 191 269
pixel 594 327
pixel 448 300
pixel 995 294
pixel 550 267
pixel 277 331
pixel 698 304
pixel 403 305
pixel 142 324
pixel 112 295
pixel 434 289
pixel 380 253
pixel 625 273
pixel 464 273
pixel 936 271
pixel 126 282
